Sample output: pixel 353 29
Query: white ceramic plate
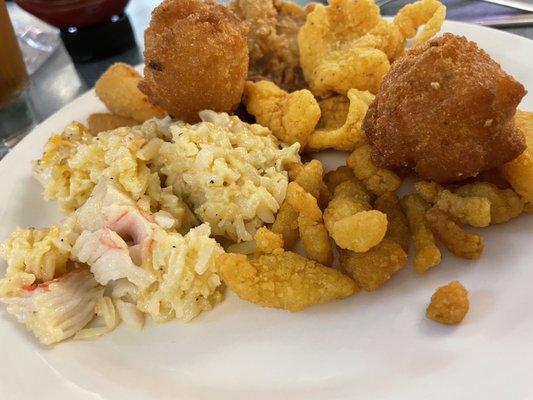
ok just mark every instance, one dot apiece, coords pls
pixel 371 346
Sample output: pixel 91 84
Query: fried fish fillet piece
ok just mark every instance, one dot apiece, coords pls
pixel 519 172
pixel 446 111
pixel 449 304
pixel 272 41
pixel 196 58
pixel 117 89
pixel 282 279
pixel 290 116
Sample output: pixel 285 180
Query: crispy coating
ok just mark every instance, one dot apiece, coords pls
pixel 457 107
pixel 303 202
pixel 457 241
pixel 350 134
pixel 311 178
pixel 100 122
pixel 398 226
pixel 374 268
pixel 345 45
pixel 286 224
pixel 427 254
pixel 350 220
pixel 272 41
pixel 283 280
pixel 494 176
pixel 117 89
pixel 333 112
pixel 290 116
pixel 348 45
pixel 315 240
pixel 336 177
pixel 196 58
pixel 430 13
pixel 504 204
pixel 266 241
pixel 377 180
pixel 449 304
pixel 528 208
pixel 472 210
pixel 519 172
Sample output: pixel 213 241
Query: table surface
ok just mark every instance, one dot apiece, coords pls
pixel 59 81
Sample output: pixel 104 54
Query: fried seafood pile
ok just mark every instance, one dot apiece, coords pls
pixel 162 214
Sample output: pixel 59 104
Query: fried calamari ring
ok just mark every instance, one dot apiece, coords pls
pixel 349 135
pixel 196 58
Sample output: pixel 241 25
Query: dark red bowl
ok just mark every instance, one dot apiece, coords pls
pixel 77 13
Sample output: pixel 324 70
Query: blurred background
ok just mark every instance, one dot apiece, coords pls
pixel 66 45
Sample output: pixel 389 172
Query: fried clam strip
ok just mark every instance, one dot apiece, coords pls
pixel 282 279
pixel 309 178
pixel 313 233
pixel 528 208
pixel 350 220
pixel 290 116
pixel 334 178
pixel 519 172
pixel 505 204
pixel 350 134
pixel 427 254
pixel 375 179
pixel 474 211
pixel 372 269
pixel 457 241
pixel 449 304
pixel 398 226
pixel 429 12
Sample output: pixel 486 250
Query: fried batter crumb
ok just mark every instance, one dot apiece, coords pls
pixel 449 304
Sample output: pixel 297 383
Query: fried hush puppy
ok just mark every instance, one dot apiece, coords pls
pixel 282 279
pixel 449 304
pixel 445 110
pixel 196 58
